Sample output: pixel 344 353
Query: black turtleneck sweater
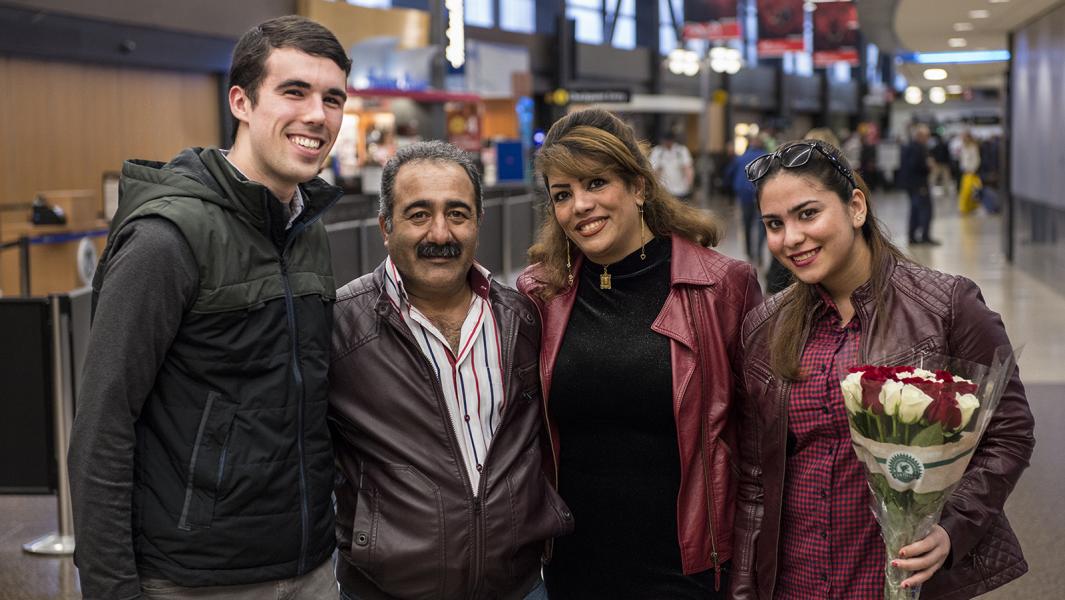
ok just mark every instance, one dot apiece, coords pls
pixel 619 468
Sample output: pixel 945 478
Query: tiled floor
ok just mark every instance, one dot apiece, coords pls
pixel 1034 316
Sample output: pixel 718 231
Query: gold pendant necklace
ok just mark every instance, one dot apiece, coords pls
pixel 604 279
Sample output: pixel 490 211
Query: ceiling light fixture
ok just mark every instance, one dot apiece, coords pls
pixel 999 1
pixel 912 95
pixel 954 89
pixel 963 26
pixel 937 95
pixel 957 42
pixel 935 74
pixel 979 14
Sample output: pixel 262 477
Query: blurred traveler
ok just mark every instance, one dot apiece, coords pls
pixel 638 365
pixel 852 149
pixel 673 166
pixel 914 172
pixel 434 404
pixel 823 134
pixel 940 177
pixel 969 161
pixel 752 229
pixel 200 459
pixel 803 526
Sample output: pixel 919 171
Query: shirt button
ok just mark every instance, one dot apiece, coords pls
pixel 831 449
pixel 467 418
pixel 479 468
pixel 824 368
pixel 826 409
pixel 824 535
pixel 824 493
pixel 824 576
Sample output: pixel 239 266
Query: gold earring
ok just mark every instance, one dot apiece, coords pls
pixel 643 245
pixel 569 269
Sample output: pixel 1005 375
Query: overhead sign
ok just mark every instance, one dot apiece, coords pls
pixel 780 27
pixel 835 33
pixel 562 97
pixel 714 20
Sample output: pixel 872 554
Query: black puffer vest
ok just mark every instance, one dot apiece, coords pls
pixel 234 465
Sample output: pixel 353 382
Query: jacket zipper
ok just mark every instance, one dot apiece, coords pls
pixel 509 336
pixel 297 373
pixel 782 407
pixel 478 532
pixel 709 511
pixel 704 449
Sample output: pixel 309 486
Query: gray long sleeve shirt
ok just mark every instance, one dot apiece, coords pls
pixel 150 282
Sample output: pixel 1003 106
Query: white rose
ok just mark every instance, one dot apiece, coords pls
pixel 923 374
pixel 890 396
pixel 912 404
pixel 852 392
pixel 968 405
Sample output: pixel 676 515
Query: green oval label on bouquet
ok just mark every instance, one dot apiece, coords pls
pixel 904 467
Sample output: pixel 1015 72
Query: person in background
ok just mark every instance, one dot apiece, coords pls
pixel 803 526
pixel 852 149
pixel 824 134
pixel 638 365
pixel 673 166
pixel 434 405
pixel 940 178
pixel 752 230
pixel 914 171
pixel 200 459
pixel 969 162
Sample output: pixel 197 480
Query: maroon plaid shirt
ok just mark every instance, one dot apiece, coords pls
pixel 830 543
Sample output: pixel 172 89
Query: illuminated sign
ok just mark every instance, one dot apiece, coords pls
pixel 455 53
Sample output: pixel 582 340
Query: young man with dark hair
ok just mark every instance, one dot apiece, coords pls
pixel 200 460
pixel 435 405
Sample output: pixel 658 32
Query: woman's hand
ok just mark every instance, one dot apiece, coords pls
pixel 924 557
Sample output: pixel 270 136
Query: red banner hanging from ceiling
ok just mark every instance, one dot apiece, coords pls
pixel 780 27
pixel 835 33
pixel 714 20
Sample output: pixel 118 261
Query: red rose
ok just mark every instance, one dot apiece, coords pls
pixel 944 410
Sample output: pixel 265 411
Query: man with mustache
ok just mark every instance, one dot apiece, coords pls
pixel 435 405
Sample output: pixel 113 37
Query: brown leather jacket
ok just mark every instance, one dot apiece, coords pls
pixel 925 312
pixel 408 523
pixel 709 295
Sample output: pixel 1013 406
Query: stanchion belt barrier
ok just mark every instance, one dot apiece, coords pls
pixel 24 243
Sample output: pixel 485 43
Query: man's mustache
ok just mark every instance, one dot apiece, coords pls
pixel 445 250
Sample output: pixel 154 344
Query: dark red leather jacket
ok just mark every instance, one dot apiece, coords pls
pixel 709 295
pixel 926 312
pixel 408 523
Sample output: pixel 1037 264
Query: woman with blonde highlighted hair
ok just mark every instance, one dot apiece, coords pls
pixel 639 359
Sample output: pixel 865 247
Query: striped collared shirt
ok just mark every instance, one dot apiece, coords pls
pixel 471 378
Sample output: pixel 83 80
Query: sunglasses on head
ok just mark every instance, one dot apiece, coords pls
pixel 793 157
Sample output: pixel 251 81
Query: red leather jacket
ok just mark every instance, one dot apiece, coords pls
pixel 708 298
pixel 926 312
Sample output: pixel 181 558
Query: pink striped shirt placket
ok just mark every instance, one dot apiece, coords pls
pixel 472 379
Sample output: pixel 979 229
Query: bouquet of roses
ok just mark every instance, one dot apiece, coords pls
pixel 914 428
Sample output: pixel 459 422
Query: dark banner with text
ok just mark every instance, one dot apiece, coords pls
pixel 835 33
pixel 780 27
pixel 714 20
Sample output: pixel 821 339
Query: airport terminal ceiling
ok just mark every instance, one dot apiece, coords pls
pixel 958 25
